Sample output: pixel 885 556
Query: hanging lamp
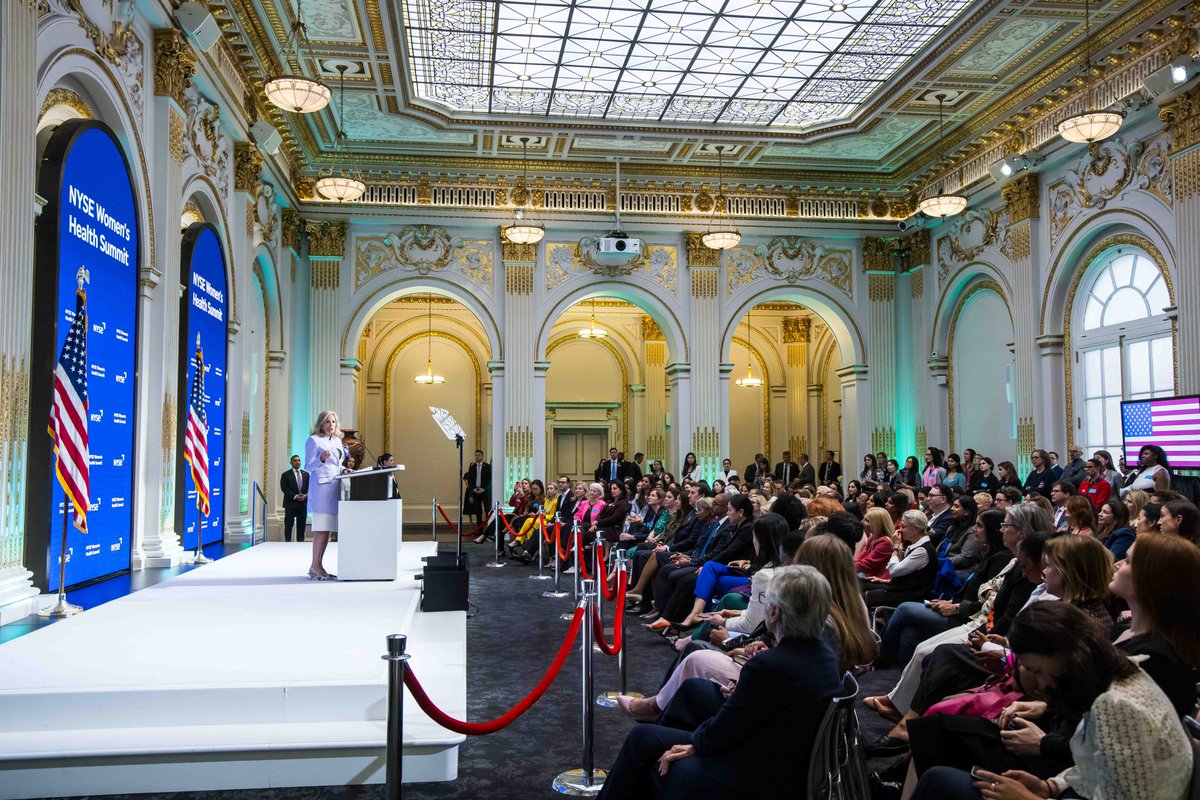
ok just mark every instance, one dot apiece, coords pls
pixel 522 230
pixel 592 331
pixel 749 382
pixel 721 233
pixel 295 91
pixel 1095 124
pixel 940 203
pixel 427 378
pixel 341 185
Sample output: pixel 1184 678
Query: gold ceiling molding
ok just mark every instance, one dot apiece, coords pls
pixel 174 64
pixel 68 98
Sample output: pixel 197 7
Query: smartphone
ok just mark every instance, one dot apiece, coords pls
pixel 975 774
pixel 720 684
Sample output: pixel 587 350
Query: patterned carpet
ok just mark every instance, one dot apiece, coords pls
pixel 510 642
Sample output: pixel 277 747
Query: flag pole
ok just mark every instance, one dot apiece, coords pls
pixel 200 558
pixel 62 608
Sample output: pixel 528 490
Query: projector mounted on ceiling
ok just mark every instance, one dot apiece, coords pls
pixel 615 248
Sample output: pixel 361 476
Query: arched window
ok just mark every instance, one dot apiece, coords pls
pixel 1124 349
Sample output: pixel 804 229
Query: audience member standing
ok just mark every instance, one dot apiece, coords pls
pixel 293 485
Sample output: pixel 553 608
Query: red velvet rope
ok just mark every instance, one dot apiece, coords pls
pixel 542 525
pixel 618 643
pixel 454 527
pixel 582 559
pixel 504 519
pixel 558 542
pixel 483 728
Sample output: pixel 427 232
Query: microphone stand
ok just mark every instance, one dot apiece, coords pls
pixel 462 495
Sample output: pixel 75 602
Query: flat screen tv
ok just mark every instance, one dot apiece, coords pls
pixel 1172 423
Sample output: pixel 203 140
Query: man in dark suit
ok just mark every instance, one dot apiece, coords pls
pixel 937 511
pixel 754 472
pixel 293 485
pixel 610 469
pixel 787 470
pixel 831 471
pixel 807 473
pixel 477 488
pixel 633 469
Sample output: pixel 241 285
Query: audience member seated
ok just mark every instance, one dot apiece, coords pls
pixel 1129 744
pixel 757 739
pixel 872 560
pixel 912 567
pixel 610 520
pixel 1181 518
pixel 1113 528
pixel 964 550
pixel 1080 517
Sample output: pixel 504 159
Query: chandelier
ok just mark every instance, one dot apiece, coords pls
pixel 340 185
pixel 721 233
pixel 939 203
pixel 592 331
pixel 1095 124
pixel 296 92
pixel 749 382
pixel 522 231
pixel 427 378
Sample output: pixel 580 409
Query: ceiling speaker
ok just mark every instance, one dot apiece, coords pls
pixel 266 137
pixel 198 24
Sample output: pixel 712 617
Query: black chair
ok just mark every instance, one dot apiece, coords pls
pixel 837 768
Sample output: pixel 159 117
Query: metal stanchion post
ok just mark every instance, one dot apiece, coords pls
pixel 557 545
pixel 596 548
pixel 433 520
pixel 497 562
pixel 575 548
pixel 62 608
pixel 397 662
pixel 588 781
pixel 609 699
pixel 538 534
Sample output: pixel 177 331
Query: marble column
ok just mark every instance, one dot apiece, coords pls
pixel 797 331
pixel 348 377
pixel 919 313
pixel 1022 204
pixel 326 248
pixel 856 439
pixel 679 429
pixel 275 448
pixel 707 438
pixel 156 543
pixel 1182 119
pixel 637 419
pixel 523 444
pixel 654 356
pixel 937 406
pixel 878 257
pixel 1052 372
pixel 816 436
pixel 18 209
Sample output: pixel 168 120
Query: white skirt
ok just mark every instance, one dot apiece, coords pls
pixel 324 522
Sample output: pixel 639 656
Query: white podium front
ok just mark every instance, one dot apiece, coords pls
pixel 369 535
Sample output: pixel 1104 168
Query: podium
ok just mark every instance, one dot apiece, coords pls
pixel 369 530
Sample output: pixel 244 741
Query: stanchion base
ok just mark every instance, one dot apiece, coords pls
pixel 556 594
pixel 567 615
pixel 609 699
pixel 60 610
pixel 496 564
pixel 200 558
pixel 541 577
pixel 574 783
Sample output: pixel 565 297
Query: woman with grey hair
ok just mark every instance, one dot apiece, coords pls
pixel 758 737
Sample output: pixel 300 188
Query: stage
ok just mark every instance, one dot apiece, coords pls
pixel 240 674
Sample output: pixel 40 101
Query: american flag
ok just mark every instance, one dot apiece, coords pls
pixel 1172 423
pixel 69 411
pixel 195 439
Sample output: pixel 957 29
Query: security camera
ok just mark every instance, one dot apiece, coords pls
pixel 917 220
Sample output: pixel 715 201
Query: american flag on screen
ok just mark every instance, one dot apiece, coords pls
pixel 195 438
pixel 1171 423
pixel 69 411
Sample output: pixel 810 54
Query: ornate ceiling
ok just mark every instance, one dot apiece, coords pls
pixel 822 95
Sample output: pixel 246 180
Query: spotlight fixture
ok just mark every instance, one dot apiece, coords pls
pixel 1009 166
pixel 939 203
pixel 427 378
pixel 522 230
pixel 592 331
pixel 721 233
pixel 295 91
pixel 1093 125
pixel 337 184
pixel 749 382
pixel 1164 83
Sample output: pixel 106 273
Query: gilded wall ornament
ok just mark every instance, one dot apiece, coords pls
pixel 1181 117
pixel 657 263
pixel 247 163
pixel 423 249
pixel 266 212
pixel 175 136
pixel 292 225
pixel 204 140
pixel 920 249
pixel 174 64
pixel 1021 198
pixel 970 234
pixel 650 330
pixel 515 252
pixel 697 254
pixel 879 287
pixel 326 238
pixel 878 253
pixel 796 330
pixel 65 97
pixel 791 259
pixel 113 44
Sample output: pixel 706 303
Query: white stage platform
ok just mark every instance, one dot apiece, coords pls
pixel 240 674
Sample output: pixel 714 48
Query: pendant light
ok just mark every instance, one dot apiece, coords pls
pixel 296 92
pixel 1095 124
pixel 592 331
pixel 749 382
pixel 522 230
pixel 721 233
pixel 939 203
pixel 427 378
pixel 341 185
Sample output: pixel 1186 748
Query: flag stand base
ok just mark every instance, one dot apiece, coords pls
pixel 60 609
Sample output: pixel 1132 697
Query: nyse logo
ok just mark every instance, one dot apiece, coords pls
pixel 101 328
pixel 96 416
pixel 115 547
pixel 119 462
pixel 95 504
pixel 121 378
pixel 218 402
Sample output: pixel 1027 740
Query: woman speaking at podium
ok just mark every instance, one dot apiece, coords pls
pixel 323 456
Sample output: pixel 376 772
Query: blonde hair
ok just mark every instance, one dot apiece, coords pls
pixel 879 523
pixel 1138 500
pixel 983 500
pixel 337 424
pixel 830 556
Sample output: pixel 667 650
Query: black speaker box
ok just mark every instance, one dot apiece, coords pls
pixel 445 584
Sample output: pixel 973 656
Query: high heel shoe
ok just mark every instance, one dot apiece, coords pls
pixel 660 624
pixel 313 575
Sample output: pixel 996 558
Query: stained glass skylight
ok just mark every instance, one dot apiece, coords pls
pixel 779 63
